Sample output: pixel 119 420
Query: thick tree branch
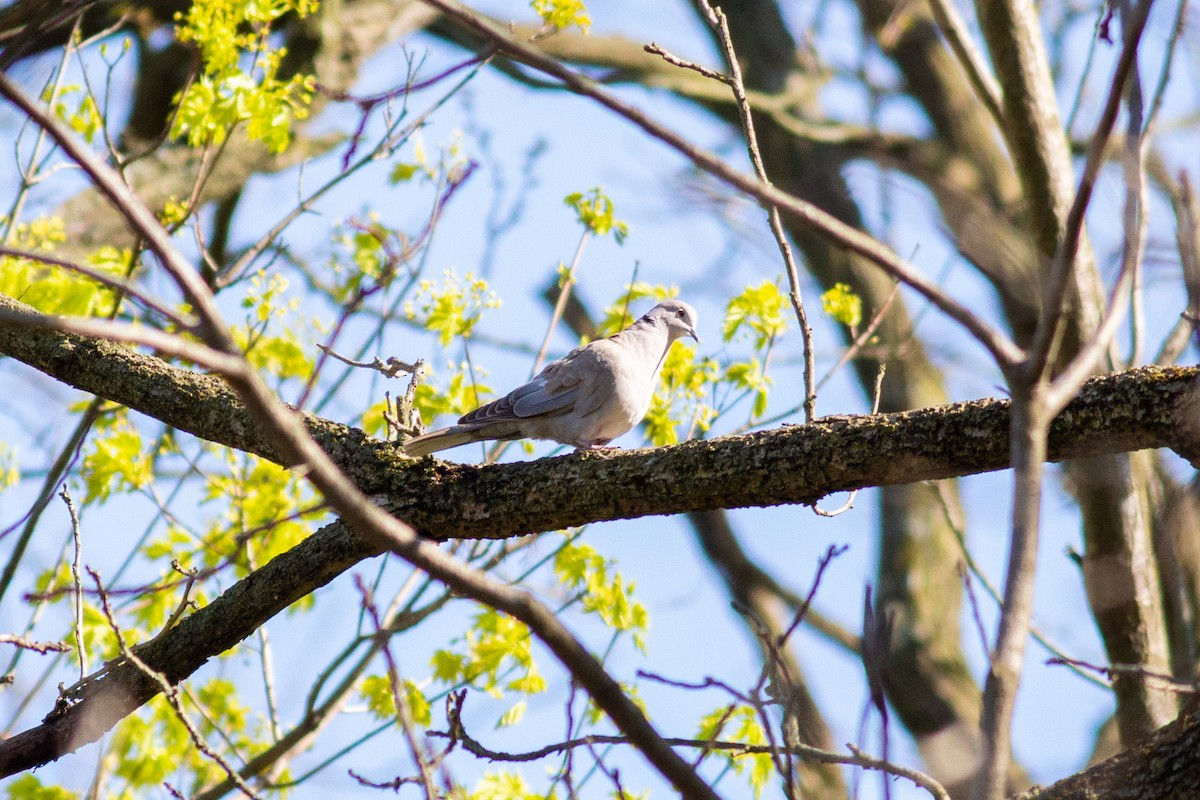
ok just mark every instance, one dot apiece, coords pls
pixel 1132 410
pixel 89 709
pixel 1164 767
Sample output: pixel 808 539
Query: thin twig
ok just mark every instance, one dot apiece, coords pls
pixel 390 368
pixel 37 647
pixel 171 693
pixel 954 29
pixel 856 757
pixel 654 50
pixel 1161 681
pixel 716 18
pixel 77 580
pixel 564 292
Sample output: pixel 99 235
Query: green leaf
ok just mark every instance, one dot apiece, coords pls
pixel 563 14
pixel 448 666
pixel 759 310
pixel 512 716
pixel 233 88
pixel 742 724
pixel 452 309
pixel 404 172
pixel 10 472
pixel 841 303
pixel 594 210
pixel 29 787
pixel 505 786
pixel 574 562
pixel 418 704
pixel 377 691
pixel 381 700
pixel 115 461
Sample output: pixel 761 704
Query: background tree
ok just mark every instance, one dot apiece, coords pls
pixel 347 184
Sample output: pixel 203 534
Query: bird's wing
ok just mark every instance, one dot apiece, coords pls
pixel 553 390
pixel 594 376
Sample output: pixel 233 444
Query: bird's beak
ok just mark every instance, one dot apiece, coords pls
pixel 692 333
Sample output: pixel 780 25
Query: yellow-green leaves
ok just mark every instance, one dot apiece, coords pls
pixel 381 700
pixel 683 385
pixel 496 646
pixel 10 471
pixel 505 786
pixel 29 787
pixel 843 305
pixel 452 309
pixel 581 568
pixel 451 165
pixel 741 725
pixel 563 14
pixel 759 310
pixel 82 115
pixel 174 212
pixel 228 91
pixel 594 211
pixel 262 498
pixel 115 459
pixel 153 746
pixel 279 354
pixel 751 376
pixel 52 289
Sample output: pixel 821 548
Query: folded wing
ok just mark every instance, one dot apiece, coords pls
pixel 555 390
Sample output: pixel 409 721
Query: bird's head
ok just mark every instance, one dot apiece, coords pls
pixel 678 317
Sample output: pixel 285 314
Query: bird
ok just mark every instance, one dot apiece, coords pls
pixel 585 399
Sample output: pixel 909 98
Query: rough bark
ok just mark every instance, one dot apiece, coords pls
pixel 1132 410
pixel 86 711
pixel 1163 767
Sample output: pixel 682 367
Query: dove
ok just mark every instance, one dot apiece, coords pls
pixel 587 398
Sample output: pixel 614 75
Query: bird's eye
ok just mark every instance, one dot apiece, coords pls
pixel 680 313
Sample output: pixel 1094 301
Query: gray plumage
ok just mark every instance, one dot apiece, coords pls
pixel 587 398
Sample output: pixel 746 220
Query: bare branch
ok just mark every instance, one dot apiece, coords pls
pixel 716 18
pixel 457 733
pixel 38 647
pixel 169 691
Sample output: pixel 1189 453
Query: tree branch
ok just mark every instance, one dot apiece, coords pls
pixel 1132 410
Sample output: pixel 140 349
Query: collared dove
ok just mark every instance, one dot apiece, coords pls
pixel 585 399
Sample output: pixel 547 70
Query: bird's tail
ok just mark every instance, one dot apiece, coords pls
pixel 442 439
